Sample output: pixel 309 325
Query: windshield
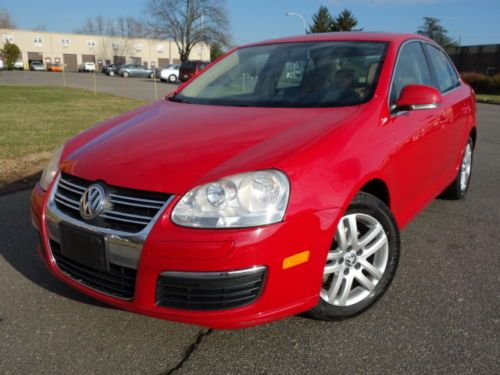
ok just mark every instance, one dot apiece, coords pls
pixel 312 74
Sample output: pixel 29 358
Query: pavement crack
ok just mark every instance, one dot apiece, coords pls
pixel 189 350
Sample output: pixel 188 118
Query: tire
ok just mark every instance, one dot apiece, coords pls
pixel 151 75
pixel 355 277
pixel 125 75
pixel 460 185
pixel 172 78
pixel 111 73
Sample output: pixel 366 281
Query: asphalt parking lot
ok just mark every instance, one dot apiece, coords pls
pixel 135 88
pixel 441 314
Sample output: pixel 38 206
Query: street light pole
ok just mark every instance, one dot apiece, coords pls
pixel 300 16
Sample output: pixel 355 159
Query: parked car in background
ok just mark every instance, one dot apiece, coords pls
pixel 37 66
pixel 236 201
pixel 88 67
pixel 19 65
pixel 110 69
pixel 190 69
pixel 56 67
pixel 170 73
pixel 2 65
pixel 135 70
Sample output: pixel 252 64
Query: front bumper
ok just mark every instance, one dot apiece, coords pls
pixel 170 249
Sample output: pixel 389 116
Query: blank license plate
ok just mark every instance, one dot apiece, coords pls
pixel 83 247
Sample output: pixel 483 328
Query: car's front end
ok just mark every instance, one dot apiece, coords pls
pixel 211 207
pixel 134 256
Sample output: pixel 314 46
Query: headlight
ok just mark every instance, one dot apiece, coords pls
pixel 51 170
pixel 242 200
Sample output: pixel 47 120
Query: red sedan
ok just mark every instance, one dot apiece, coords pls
pixel 274 183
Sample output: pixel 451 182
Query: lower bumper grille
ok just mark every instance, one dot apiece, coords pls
pixel 209 291
pixel 118 282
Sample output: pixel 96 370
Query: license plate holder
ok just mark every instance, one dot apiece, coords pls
pixel 83 247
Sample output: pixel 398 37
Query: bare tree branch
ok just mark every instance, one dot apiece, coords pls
pixel 188 22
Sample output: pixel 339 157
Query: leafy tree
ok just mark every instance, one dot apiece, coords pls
pixel 345 21
pixel 10 53
pixel 322 21
pixel 216 51
pixel 6 21
pixel 188 22
pixel 433 29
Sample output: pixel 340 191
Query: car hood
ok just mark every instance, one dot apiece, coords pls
pixel 172 147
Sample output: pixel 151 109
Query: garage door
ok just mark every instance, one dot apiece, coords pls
pixel 118 60
pixel 88 58
pixel 35 56
pixel 70 62
pixel 163 62
pixel 136 60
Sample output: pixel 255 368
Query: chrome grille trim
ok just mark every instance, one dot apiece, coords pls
pixel 130 214
pixel 123 248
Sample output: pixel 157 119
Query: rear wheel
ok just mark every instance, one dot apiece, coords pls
pixel 111 73
pixel 172 78
pixel 458 188
pixel 361 262
pixel 125 74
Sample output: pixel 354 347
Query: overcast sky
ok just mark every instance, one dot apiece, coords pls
pixel 472 21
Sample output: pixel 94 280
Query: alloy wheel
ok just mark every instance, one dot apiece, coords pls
pixel 357 261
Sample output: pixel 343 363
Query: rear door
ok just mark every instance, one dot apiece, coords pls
pixel 417 163
pixel 456 103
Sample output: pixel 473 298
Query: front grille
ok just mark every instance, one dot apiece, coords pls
pixel 126 210
pixel 118 281
pixel 209 291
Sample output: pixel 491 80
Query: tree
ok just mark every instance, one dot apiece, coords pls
pixel 188 22
pixel 216 51
pixel 6 21
pixel 129 27
pixel 97 26
pixel 10 53
pixel 345 21
pixel 322 21
pixel 433 29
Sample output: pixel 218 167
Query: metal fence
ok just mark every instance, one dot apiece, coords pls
pixel 479 59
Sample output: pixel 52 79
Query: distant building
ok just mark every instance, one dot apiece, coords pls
pixel 74 49
pixel 479 59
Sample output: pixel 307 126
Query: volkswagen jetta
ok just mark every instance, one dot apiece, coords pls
pixel 274 183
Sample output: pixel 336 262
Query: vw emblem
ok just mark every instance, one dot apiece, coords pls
pixel 92 202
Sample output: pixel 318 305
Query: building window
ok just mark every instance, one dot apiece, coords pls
pixel 37 41
pixel 91 43
pixel 160 48
pixel 8 38
pixel 115 45
pixel 138 46
pixel 65 42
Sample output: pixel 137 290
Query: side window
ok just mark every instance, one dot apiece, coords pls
pixel 446 76
pixel 411 68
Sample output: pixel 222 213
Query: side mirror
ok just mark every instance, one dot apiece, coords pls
pixel 415 97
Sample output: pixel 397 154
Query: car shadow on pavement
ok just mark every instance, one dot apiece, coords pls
pixel 20 252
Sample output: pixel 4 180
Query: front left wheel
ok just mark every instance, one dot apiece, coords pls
pixel 361 262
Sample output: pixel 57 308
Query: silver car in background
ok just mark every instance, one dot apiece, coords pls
pixel 135 70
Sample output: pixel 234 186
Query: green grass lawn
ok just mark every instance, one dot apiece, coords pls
pixel 489 98
pixel 35 120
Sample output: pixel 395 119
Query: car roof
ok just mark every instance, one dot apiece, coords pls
pixel 355 36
